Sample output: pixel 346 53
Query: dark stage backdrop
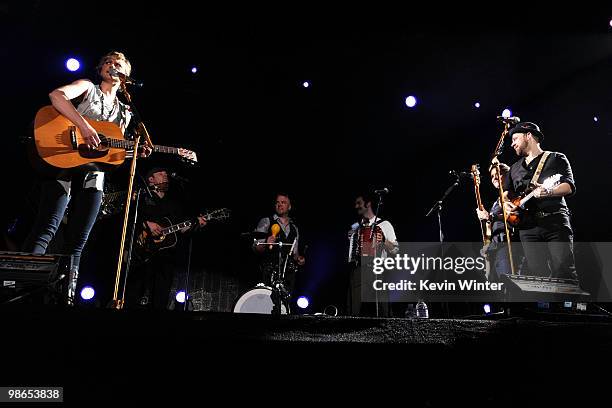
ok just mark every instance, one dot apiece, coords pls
pixel 258 130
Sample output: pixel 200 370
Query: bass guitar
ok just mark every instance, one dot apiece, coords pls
pixel 485 226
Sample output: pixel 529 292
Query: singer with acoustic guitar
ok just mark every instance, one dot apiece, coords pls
pixel 82 186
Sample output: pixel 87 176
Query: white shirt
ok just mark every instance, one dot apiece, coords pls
pixel 389 234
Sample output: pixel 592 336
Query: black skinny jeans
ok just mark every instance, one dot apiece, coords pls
pixel 53 203
pixel 553 253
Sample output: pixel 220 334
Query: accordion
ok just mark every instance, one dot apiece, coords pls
pixel 362 242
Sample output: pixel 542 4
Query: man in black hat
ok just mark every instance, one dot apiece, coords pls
pixel 151 281
pixel 547 218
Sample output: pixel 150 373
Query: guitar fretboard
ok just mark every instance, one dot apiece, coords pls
pixel 114 195
pixel 129 144
pixel 177 227
pixel 165 149
pixel 221 214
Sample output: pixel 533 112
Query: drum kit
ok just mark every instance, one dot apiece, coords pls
pixel 270 297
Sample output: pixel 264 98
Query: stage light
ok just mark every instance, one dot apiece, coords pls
pixel 487 308
pixel 306 84
pixel 180 296
pixel 87 293
pixel 303 302
pixel 194 70
pixel 595 119
pixel 477 105
pixel 507 113
pixel 610 23
pixel 73 64
pixel 411 101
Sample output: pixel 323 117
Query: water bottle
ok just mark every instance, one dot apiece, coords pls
pixel 410 311
pixel 421 310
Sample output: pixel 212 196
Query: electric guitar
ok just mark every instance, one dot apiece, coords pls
pixel 515 219
pixel 145 244
pixel 113 202
pixel 59 143
pixel 485 226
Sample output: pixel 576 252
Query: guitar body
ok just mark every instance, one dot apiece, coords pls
pixel 515 219
pixel 145 244
pixel 59 142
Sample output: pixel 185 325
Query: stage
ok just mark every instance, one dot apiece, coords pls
pixel 107 354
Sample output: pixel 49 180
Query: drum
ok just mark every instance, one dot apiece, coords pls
pixel 257 300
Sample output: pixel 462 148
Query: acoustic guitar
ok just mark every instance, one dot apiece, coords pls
pixel 146 245
pixel 59 143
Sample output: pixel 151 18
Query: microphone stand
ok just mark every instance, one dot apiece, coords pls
pixel 278 288
pixel 143 188
pixel 141 131
pixel 495 162
pixel 378 205
pixel 185 308
pixel 437 207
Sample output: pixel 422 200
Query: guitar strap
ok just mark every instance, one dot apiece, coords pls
pixel 538 171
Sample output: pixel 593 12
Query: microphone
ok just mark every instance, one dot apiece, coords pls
pixel 461 174
pixel 178 178
pixel 513 120
pixel 128 80
pixel 385 190
pixel 275 230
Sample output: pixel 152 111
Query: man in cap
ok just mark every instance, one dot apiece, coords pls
pixel 548 217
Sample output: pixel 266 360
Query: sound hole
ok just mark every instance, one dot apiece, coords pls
pixel 91 153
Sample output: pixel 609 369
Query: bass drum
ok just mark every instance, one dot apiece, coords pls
pixel 257 300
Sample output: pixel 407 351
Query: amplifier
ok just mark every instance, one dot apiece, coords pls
pixel 537 288
pixel 38 278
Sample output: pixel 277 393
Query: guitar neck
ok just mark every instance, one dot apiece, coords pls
pixel 165 149
pixel 484 226
pixel 478 199
pixel 114 195
pixel 129 144
pixel 211 216
pixel 177 227
pixel 526 198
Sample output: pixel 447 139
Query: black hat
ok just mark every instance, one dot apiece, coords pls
pixel 153 170
pixel 524 127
